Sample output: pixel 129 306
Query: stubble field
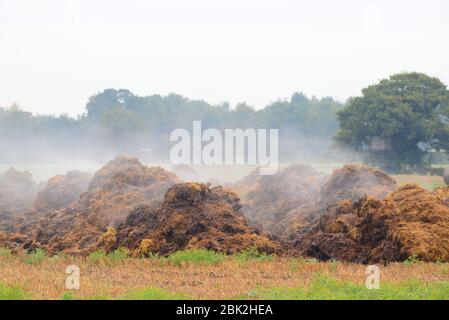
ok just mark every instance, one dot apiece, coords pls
pixel 206 275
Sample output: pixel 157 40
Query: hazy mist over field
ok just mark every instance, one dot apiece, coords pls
pixel 288 65
pixel 57 53
pixel 120 122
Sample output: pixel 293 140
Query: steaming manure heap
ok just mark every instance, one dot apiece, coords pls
pixel 62 190
pixel 268 200
pixel 17 193
pixel 353 182
pixel 288 203
pixel 409 222
pixel 145 209
pixel 114 191
pixel 357 214
pixel 17 190
pixel 192 215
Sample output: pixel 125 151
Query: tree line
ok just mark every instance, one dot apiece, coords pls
pixel 118 121
pixel 399 122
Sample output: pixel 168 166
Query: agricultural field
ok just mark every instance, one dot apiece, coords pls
pixel 141 232
pixel 201 274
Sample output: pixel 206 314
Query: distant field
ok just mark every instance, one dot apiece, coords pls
pixel 211 276
pixel 428 182
pixel 221 173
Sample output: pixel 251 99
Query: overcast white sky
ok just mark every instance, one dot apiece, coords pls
pixel 54 54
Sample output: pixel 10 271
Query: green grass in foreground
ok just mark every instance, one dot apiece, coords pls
pixel 154 294
pixel 36 257
pixel 326 288
pixel 322 287
pixel 101 256
pixel 252 254
pixel 97 256
pixel 150 293
pixel 208 257
pixel 72 296
pixel 5 252
pixel 12 293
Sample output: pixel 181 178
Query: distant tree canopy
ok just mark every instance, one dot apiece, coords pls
pixel 397 120
pixel 117 121
pixel 392 124
pixel 310 117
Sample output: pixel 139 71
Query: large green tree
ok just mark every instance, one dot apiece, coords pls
pixel 396 120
